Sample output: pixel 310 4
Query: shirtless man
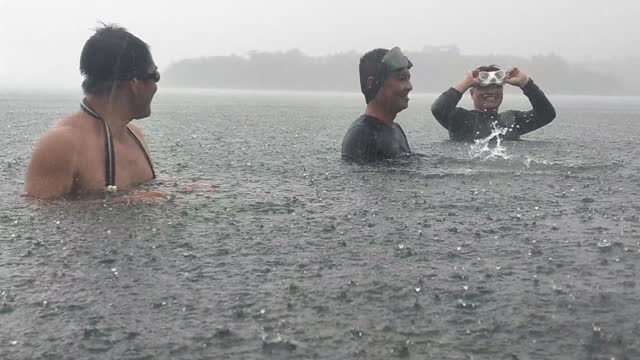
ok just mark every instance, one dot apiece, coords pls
pixel 97 149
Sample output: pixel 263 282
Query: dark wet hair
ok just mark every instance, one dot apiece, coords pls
pixel 492 67
pixel 112 55
pixel 371 65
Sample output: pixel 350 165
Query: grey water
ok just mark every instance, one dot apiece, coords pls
pixel 448 254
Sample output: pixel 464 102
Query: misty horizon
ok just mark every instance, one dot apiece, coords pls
pixel 41 41
pixel 73 82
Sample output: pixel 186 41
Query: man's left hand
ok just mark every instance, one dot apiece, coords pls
pixel 516 77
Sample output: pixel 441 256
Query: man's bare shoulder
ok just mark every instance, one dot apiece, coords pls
pixel 53 162
pixel 58 136
pixel 78 122
pixel 68 134
pixel 136 131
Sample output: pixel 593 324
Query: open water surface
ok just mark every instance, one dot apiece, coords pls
pixel 528 251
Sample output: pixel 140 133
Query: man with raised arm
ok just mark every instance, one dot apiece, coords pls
pixel 485 85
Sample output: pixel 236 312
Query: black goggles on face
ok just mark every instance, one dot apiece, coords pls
pixel 154 76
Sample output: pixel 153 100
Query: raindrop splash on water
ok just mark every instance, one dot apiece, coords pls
pixel 604 244
pixel 271 342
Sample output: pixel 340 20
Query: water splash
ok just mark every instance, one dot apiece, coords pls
pixel 482 148
pixel 531 162
pixel 604 244
pixel 271 342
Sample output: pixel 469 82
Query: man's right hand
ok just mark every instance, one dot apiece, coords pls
pixel 468 81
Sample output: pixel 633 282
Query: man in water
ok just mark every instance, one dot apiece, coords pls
pixel 96 148
pixel 485 84
pixel 385 83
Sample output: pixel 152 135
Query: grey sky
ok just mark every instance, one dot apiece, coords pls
pixel 40 41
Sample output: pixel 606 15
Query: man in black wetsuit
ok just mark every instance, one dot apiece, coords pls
pixel 385 83
pixel 486 91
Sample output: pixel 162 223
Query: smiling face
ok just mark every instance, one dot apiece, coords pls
pixel 487 98
pixel 394 93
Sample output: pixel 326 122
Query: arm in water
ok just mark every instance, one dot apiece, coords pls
pixel 186 186
pixel 161 196
pixel 542 112
pixel 130 198
pixel 445 109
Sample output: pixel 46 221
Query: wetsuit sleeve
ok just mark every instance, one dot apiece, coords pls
pixel 541 114
pixel 359 146
pixel 445 111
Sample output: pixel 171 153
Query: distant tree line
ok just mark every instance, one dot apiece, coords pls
pixel 435 69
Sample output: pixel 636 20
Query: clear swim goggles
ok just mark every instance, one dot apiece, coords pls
pixel 492 77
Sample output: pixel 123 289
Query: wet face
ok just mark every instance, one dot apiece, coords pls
pixel 394 93
pixel 143 91
pixel 487 98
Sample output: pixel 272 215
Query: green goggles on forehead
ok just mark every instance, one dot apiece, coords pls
pixel 395 60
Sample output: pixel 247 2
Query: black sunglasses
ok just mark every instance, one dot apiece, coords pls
pixel 155 76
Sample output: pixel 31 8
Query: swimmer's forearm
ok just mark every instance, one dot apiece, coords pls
pixel 443 109
pixel 542 107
